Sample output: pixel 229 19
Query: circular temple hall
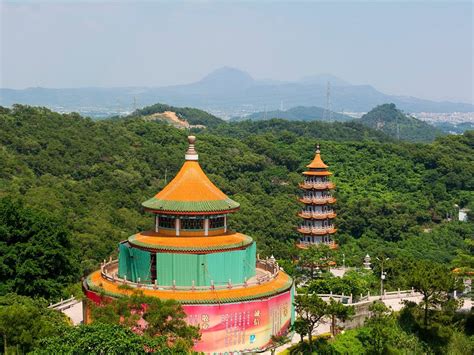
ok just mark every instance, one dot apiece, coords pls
pixel 238 300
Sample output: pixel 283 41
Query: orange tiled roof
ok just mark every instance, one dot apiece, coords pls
pixel 317 162
pixel 191 191
pixel 157 241
pixel 191 184
pixel 281 283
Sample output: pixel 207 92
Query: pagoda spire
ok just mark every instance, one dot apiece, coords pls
pixel 317 226
pixel 191 153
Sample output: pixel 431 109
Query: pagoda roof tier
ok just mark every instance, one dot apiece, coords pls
pixel 191 191
pixel 331 245
pixel 317 173
pixel 154 241
pixel 314 215
pixel 317 200
pixel 317 185
pixel 316 231
pixel 317 162
pixel 280 283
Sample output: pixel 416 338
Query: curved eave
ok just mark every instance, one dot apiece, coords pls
pixel 317 233
pixel 307 245
pixel 329 186
pixel 317 173
pixel 316 202
pixel 190 207
pixel 280 284
pixel 318 217
pixel 190 245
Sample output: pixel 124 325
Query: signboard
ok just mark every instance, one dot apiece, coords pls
pixel 240 326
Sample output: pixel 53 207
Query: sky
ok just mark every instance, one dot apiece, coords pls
pixel 421 49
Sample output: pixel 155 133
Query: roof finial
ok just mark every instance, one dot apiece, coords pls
pixel 317 149
pixel 191 153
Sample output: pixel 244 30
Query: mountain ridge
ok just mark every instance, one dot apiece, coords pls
pixel 227 90
pixel 298 113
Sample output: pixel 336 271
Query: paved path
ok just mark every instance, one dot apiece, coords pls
pixel 75 313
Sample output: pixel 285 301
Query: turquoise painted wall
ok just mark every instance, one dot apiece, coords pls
pixel 135 263
pixel 202 268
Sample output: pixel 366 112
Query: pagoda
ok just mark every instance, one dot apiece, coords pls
pixel 238 300
pixel 318 214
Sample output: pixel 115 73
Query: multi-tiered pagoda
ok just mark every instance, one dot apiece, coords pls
pixel 318 214
pixel 238 300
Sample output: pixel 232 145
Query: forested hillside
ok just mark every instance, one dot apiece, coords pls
pixel 88 179
pixel 194 116
pixel 299 113
pixel 393 122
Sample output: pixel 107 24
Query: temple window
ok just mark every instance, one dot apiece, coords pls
pixel 192 224
pixel 166 222
pixel 216 222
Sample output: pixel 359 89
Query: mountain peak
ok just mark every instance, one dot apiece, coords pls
pixel 228 76
pixel 323 79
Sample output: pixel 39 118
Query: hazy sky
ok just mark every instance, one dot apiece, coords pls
pixel 422 49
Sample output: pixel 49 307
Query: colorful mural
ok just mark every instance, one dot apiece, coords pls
pixel 242 326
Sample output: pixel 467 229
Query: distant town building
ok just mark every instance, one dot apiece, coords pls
pixel 317 215
pixel 238 300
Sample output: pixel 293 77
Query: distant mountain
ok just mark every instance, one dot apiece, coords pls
pixel 227 92
pixel 300 113
pixel 323 79
pixel 393 122
pixel 225 77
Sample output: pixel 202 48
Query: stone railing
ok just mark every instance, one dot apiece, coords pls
pixel 64 304
pixel 351 300
pixel 270 266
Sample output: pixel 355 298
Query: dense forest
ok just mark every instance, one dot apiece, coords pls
pixel 71 189
pixel 89 178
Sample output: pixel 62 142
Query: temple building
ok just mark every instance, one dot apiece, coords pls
pixel 318 214
pixel 238 300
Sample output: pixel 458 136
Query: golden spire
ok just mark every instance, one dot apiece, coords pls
pixel 317 162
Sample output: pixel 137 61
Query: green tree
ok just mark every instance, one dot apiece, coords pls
pixel 313 259
pixel 310 309
pixel 434 282
pixel 24 322
pixel 379 329
pixel 151 316
pixel 36 256
pixel 100 338
pixel 337 311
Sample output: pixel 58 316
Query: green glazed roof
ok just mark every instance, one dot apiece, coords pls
pixel 191 206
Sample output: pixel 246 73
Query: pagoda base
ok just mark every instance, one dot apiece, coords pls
pixel 238 318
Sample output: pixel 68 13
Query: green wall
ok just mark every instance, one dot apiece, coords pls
pixel 202 268
pixel 184 268
pixel 135 263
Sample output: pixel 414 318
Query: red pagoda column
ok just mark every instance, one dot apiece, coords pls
pixel 317 225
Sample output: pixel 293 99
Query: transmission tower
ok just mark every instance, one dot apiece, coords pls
pixel 134 103
pixel 327 115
